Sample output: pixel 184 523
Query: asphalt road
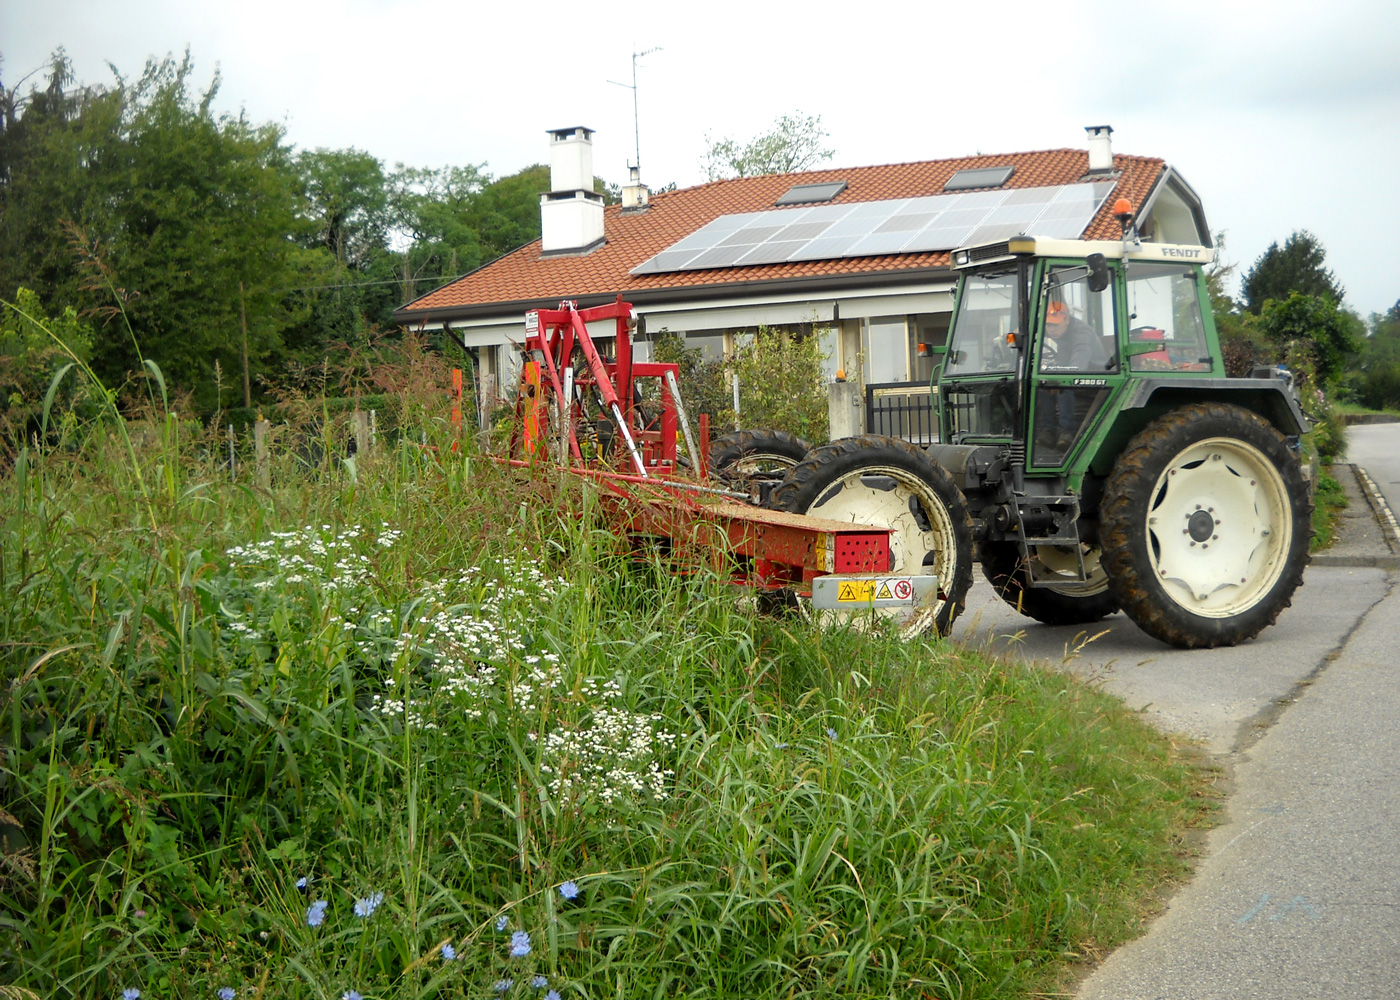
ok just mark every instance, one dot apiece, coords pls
pixel 1298 894
pixel 1376 448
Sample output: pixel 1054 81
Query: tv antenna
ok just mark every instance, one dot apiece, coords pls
pixel 636 124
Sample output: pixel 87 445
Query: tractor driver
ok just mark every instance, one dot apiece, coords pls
pixel 1078 346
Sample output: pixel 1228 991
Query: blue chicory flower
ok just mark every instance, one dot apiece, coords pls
pixel 539 982
pixel 351 995
pixel 831 734
pixel 316 913
pixel 552 995
pixel 131 994
pixel 569 890
pixel 502 922
pixel 303 882
pixel 503 985
pixel 366 907
pixel 227 993
pixel 449 953
pixel 519 944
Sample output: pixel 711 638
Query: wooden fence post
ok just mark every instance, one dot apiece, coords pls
pixel 260 430
pixel 361 433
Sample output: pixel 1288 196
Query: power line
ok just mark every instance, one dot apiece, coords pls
pixel 361 284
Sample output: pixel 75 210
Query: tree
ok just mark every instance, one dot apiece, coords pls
pixel 1326 335
pixel 346 204
pixel 793 144
pixel 1297 266
pixel 139 205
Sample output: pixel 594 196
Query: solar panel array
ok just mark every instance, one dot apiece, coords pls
pixel 868 228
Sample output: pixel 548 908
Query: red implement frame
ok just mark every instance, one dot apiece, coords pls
pixel 568 385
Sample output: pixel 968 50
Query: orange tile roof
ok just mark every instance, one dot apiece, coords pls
pixel 632 237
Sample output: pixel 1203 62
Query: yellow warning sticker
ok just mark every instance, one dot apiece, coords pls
pixel 883 594
pixel 856 591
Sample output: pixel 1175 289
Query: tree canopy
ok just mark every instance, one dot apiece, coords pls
pixel 173 228
pixel 793 143
pixel 1298 266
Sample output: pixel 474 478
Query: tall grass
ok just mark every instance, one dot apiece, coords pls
pixel 438 682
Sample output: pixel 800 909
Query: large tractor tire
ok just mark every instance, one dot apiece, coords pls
pixel 1205 525
pixel 1073 603
pixel 885 482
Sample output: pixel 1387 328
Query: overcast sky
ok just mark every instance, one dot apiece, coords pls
pixel 1282 116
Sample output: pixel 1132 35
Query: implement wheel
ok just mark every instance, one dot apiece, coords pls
pixel 747 452
pixel 1205 525
pixel 1071 603
pixel 888 483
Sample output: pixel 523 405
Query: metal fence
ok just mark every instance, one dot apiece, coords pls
pixel 901 410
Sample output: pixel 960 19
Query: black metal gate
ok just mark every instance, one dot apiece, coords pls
pixel 901 410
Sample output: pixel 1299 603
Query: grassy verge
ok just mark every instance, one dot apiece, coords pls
pixel 1329 499
pixel 417 729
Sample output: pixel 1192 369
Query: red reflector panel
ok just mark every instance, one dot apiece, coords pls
pixel 862 553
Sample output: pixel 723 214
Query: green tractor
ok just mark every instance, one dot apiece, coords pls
pixel 1095 456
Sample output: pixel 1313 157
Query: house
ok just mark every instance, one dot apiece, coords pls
pixel 861 253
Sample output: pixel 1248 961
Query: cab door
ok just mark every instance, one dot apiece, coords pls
pixel 1076 365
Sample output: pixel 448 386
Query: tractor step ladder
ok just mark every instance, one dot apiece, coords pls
pixel 1063 512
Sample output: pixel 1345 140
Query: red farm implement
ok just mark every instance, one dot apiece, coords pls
pixel 603 415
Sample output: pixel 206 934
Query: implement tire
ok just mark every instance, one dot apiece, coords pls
pixel 1205 525
pixel 885 482
pixel 1072 604
pixel 742 458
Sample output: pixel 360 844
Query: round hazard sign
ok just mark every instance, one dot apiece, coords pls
pixel 903 589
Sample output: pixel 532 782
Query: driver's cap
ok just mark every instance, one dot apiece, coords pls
pixel 1057 312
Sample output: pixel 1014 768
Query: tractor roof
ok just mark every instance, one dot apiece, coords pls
pixel 1040 246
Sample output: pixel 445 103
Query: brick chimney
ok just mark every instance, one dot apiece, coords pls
pixel 571 214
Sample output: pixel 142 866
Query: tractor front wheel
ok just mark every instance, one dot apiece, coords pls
pixel 888 483
pixel 1205 525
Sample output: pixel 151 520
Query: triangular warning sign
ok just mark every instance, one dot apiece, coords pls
pixel 847 593
pixel 883 594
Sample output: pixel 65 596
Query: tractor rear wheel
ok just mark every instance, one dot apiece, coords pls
pixel 885 482
pixel 1205 525
pixel 1073 603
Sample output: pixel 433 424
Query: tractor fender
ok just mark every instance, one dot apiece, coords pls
pixel 1271 398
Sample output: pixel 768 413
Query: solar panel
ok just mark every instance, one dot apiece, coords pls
pixel 870 228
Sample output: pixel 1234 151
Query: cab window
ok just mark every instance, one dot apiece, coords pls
pixel 1078 331
pixel 1164 307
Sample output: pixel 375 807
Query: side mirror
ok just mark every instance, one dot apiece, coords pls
pixel 1099 277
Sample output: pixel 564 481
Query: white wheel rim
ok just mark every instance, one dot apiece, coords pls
pixel 861 498
pixel 1062 562
pixel 1218 528
pixel 762 461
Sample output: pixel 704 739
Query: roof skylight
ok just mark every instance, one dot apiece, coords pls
pixel 810 194
pixel 980 177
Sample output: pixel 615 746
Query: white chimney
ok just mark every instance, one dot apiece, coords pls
pixel 571 214
pixel 634 192
pixel 1100 148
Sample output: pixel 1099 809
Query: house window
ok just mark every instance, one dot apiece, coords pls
pixel 887 350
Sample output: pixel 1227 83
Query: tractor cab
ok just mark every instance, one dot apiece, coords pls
pixel 1047 333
